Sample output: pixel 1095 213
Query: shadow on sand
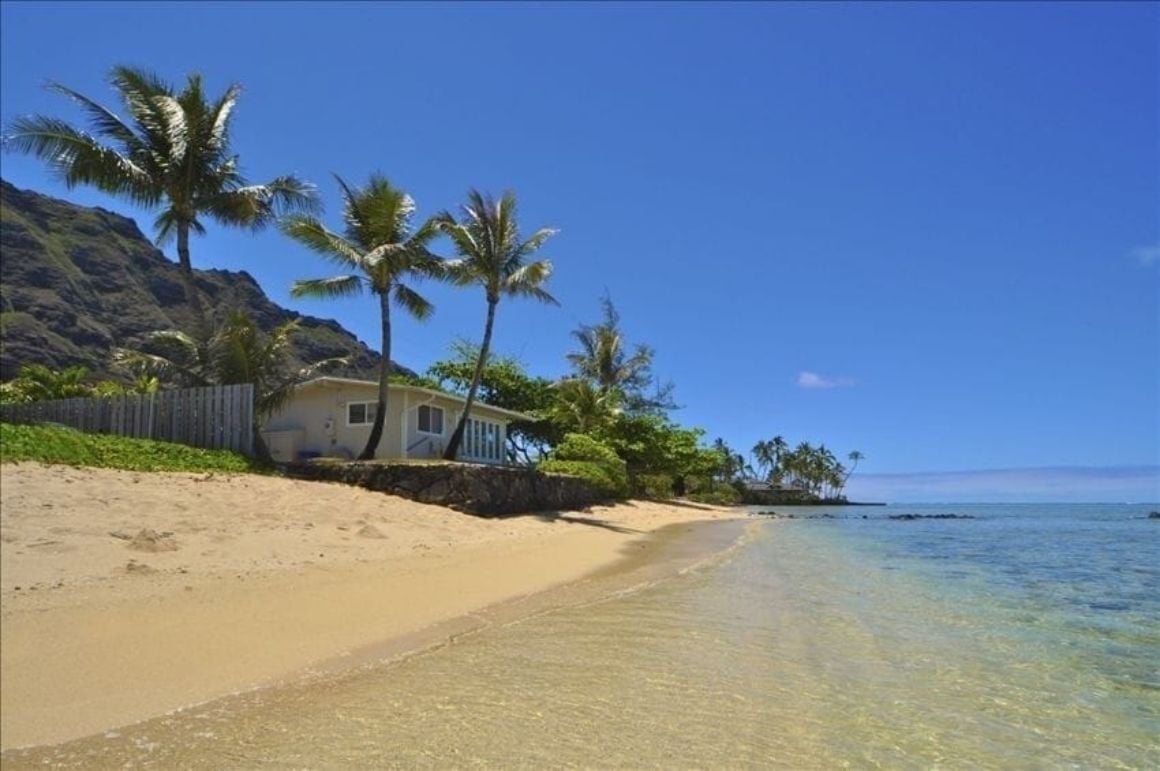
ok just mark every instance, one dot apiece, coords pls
pixel 556 516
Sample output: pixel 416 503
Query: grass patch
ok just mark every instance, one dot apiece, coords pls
pixel 66 446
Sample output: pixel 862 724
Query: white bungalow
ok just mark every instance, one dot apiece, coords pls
pixel 332 417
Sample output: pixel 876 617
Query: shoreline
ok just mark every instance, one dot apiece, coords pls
pixel 220 602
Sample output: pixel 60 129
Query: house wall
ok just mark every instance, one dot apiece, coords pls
pixel 312 407
pixel 423 445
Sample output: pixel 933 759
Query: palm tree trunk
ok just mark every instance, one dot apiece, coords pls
pixel 372 447
pixel 457 438
pixel 192 296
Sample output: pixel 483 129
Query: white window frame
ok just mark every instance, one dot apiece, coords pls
pixel 374 403
pixel 430 408
pixel 482 440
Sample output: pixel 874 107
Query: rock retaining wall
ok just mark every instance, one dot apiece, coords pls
pixel 471 488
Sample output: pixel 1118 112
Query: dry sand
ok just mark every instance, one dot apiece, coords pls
pixel 126 595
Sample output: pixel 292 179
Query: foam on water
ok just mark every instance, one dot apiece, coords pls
pixel 1027 637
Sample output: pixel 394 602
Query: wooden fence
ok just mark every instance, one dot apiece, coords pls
pixel 215 417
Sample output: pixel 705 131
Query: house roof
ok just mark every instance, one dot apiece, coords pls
pixel 399 387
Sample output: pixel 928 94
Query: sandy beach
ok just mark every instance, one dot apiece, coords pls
pixel 126 595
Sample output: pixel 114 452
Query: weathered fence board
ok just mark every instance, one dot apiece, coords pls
pixel 214 417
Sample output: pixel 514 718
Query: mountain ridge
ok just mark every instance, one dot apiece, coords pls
pixel 76 282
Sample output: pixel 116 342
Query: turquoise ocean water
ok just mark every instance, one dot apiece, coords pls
pixel 1025 637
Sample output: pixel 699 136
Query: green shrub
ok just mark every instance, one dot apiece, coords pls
pixel 587 470
pixel 59 444
pixel 585 457
pixel 584 447
pixel 655 486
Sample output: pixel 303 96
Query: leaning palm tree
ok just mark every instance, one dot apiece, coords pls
pixel 855 456
pixel 172 152
pixel 493 255
pixel 385 251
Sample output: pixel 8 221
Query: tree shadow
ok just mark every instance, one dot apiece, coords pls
pixel 556 516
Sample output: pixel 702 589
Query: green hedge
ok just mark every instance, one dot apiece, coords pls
pixel 585 457
pixel 67 446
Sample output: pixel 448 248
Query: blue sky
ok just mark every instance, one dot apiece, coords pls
pixel 928 232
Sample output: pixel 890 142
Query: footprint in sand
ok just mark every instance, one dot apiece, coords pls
pixel 370 531
pixel 152 541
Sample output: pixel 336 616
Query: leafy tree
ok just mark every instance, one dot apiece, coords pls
pixel 493 255
pixel 171 152
pixel 385 252
pixel 236 352
pixel 505 383
pixel 652 444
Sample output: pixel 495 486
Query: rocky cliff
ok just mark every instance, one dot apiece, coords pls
pixel 76 282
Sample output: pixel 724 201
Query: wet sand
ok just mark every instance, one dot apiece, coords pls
pixel 126 595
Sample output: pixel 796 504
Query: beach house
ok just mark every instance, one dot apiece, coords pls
pixel 332 417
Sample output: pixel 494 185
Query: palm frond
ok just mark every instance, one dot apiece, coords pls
pixel 104 120
pixel 414 303
pixel 289 194
pixel 78 158
pixel 174 125
pixel 327 288
pixel 527 282
pixel 220 115
pixel 533 244
pixel 312 234
pixel 461 272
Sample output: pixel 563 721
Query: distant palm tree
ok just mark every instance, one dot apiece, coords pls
pixel 763 454
pixel 493 255
pixel 380 244
pixel 778 449
pixel 173 151
pixel 854 457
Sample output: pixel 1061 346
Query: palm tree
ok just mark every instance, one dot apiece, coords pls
pixel 777 450
pixel 493 254
pixel 854 457
pixel 581 406
pixel 172 152
pixel 764 455
pixel 603 358
pixel 236 352
pixel 381 246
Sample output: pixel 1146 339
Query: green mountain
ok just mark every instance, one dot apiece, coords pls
pixel 76 282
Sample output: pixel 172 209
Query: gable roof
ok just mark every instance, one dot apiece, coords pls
pixel 399 387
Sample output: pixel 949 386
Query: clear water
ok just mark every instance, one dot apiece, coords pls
pixel 1027 637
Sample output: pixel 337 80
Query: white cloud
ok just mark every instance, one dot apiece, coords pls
pixel 815 381
pixel 1146 255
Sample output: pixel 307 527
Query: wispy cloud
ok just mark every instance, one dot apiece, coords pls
pixel 1076 484
pixel 815 381
pixel 1146 255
